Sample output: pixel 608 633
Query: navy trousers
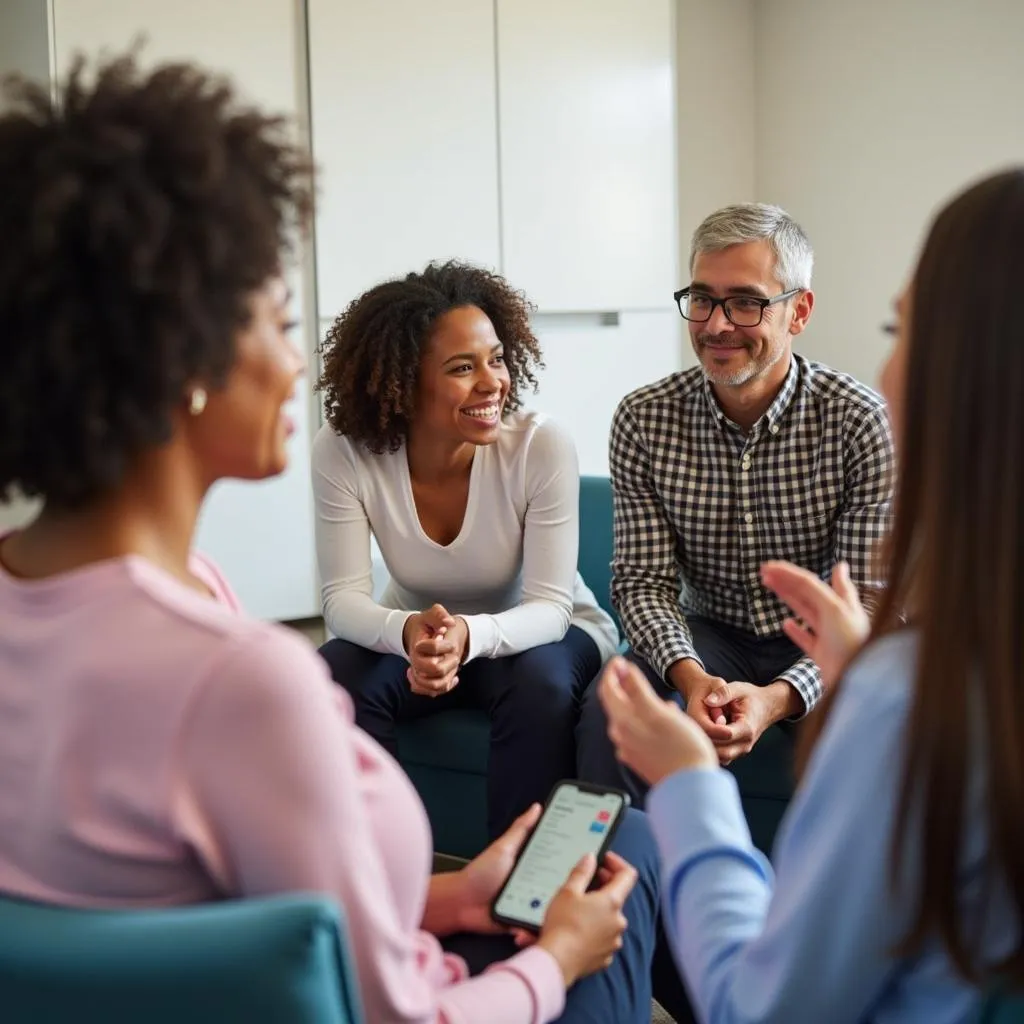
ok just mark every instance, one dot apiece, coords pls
pixel 622 993
pixel 531 698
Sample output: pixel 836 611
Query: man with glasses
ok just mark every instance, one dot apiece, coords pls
pixel 756 454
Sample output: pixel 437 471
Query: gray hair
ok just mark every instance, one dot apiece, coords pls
pixel 752 222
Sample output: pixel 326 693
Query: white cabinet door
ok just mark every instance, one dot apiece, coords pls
pixel 261 535
pixel 590 367
pixel 586 121
pixel 24 39
pixel 404 136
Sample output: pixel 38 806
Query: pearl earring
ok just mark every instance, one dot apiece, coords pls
pixel 197 403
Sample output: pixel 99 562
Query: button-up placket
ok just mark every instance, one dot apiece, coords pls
pixel 746 493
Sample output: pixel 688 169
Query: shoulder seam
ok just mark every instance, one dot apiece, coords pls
pixel 679 384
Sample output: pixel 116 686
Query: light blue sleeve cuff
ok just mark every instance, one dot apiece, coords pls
pixel 697 813
pixel 715 886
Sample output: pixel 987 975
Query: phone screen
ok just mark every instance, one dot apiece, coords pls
pixel 575 822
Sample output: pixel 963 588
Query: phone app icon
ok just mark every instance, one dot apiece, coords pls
pixel 604 816
pixel 598 826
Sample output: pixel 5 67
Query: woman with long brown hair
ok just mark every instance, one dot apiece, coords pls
pixel 898 885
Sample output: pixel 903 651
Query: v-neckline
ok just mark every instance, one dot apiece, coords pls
pixel 471 499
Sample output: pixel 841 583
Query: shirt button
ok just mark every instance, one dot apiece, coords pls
pixel 748 518
pixel 746 462
pixel 774 428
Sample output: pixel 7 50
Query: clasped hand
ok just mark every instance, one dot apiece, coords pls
pixel 733 715
pixel 435 643
pixel 654 737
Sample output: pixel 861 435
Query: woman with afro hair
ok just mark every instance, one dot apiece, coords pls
pixel 474 505
pixel 157 745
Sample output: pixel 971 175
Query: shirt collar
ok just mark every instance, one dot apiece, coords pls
pixel 785 396
pixel 775 411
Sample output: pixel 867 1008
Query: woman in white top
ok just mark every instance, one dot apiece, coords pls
pixel 474 506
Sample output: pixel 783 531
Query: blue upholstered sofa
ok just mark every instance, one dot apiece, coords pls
pixel 446 755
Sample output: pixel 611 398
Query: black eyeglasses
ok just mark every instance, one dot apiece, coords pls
pixel 741 310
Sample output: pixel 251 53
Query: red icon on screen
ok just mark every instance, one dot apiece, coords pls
pixel 604 815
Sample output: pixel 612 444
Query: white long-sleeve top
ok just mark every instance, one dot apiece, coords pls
pixel 511 571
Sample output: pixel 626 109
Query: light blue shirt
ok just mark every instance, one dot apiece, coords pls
pixel 813 941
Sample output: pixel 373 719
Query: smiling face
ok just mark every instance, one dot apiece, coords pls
pixel 463 380
pixel 734 356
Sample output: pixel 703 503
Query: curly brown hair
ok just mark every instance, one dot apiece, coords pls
pixel 371 354
pixel 138 214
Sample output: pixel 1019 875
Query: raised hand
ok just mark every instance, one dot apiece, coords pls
pixel 834 624
pixel 652 736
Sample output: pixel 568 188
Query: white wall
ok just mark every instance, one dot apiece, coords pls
pixel 715 61
pixel 589 365
pixel 869 115
pixel 404 127
pixel 586 129
pixel 259 534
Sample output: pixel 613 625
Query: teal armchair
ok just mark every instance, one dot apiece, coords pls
pixel 1002 1006
pixel 263 961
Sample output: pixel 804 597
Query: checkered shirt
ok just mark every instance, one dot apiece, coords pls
pixel 699 504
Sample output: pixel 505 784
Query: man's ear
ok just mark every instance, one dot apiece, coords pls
pixel 803 304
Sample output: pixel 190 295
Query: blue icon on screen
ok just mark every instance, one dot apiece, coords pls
pixel 534 903
pixel 597 826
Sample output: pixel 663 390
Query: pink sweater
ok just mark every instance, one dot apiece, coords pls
pixel 157 747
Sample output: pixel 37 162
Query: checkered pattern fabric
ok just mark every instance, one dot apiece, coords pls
pixel 699 504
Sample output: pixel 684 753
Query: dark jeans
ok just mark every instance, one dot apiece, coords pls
pixel 622 993
pixel 731 653
pixel 734 654
pixel 531 698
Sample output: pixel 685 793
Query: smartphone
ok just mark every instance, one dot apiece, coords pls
pixel 578 818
